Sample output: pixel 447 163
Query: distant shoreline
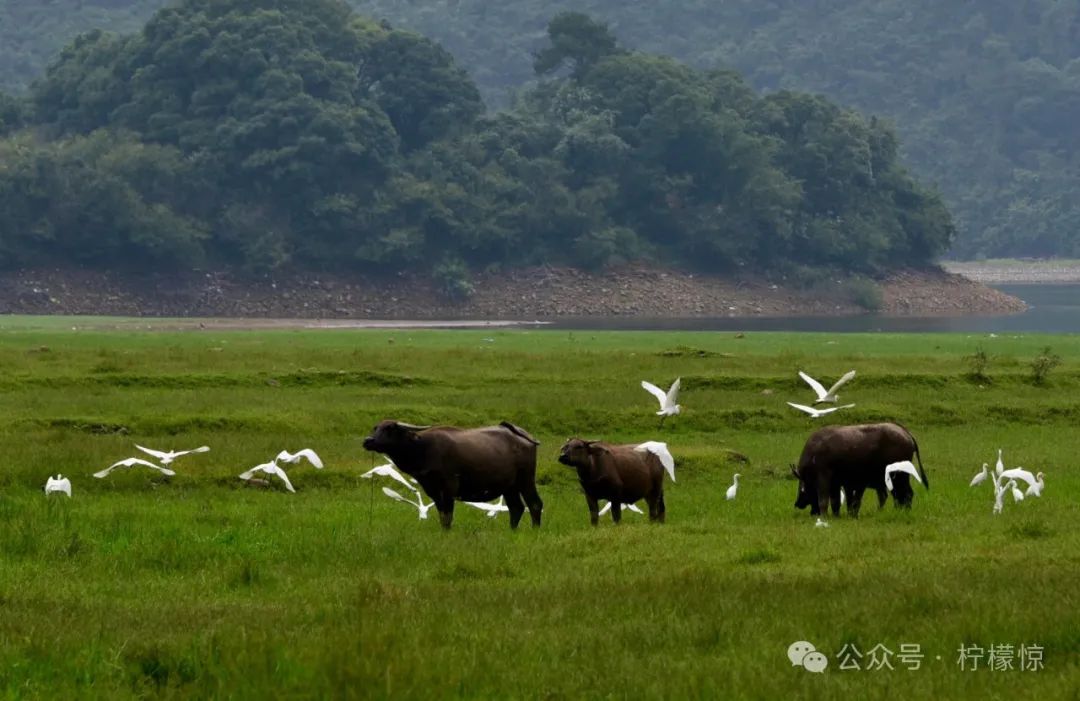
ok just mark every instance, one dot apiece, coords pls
pixel 1005 271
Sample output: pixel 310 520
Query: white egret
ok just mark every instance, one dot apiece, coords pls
pixel 1017 494
pixel 388 470
pixel 130 462
pixel 168 457
pixel 293 458
pixel 826 395
pixel 999 495
pixel 1019 473
pixel 661 451
pixel 631 507
pixel 492 510
pixel 821 523
pixel 668 400
pixel 818 413
pixel 734 488
pixel 58 484
pixel 902 466
pixel 1036 489
pixel 1000 466
pixel 421 507
pixel 269 468
pixel 981 477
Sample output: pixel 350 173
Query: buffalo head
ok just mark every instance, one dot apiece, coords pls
pixel 578 453
pixel 804 498
pixel 390 435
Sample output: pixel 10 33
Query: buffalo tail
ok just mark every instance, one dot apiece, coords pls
pixel 519 431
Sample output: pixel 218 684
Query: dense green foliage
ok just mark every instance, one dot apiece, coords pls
pixel 271 132
pixel 202 589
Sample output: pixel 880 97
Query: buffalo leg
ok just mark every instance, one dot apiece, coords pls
pixel 824 490
pixel 616 510
pixel 594 509
pixel 517 509
pixel 656 507
pixel 854 501
pixel 446 512
pixel 534 502
pixel 882 497
pixel 834 500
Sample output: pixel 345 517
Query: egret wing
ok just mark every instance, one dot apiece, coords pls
pixel 1019 473
pixel 839 383
pixel 802 407
pixel 655 391
pixel 150 451
pixel 819 390
pixel 672 396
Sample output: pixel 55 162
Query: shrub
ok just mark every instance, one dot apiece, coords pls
pixel 977 363
pixel 864 293
pixel 453 279
pixel 1042 364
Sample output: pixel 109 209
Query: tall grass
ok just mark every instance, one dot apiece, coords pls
pixel 201 587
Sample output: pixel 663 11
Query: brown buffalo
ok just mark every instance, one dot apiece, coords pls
pixel 853 458
pixel 622 474
pixel 477 464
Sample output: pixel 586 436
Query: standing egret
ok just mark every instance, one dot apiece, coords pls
pixel 1017 494
pixel 902 466
pixel 269 468
pixel 818 413
pixel 734 488
pixel 1000 466
pixel 981 477
pixel 421 507
pixel 168 457
pixel 58 484
pixel 131 462
pixel 999 495
pixel 661 451
pixel 293 458
pixel 821 523
pixel 826 395
pixel 668 400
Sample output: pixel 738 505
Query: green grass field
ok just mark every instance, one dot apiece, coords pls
pixel 203 588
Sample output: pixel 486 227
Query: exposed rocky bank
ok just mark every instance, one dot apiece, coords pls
pixel 532 293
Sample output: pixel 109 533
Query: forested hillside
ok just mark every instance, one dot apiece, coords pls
pixel 985 95
pixel 266 133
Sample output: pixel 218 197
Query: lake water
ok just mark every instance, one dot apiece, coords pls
pixel 1053 309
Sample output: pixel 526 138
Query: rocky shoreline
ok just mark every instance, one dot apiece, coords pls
pixel 1018 272
pixel 531 293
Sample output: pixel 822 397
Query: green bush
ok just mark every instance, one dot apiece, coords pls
pixel 865 293
pixel 1042 364
pixel 453 280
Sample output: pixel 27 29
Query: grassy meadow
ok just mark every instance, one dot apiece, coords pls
pixel 204 588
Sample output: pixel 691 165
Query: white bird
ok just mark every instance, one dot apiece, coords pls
pixel 1000 466
pixel 168 457
pixel 734 488
pixel 293 458
pixel 668 400
pixel 981 477
pixel 269 468
pixel 843 499
pixel 131 462
pixel 820 523
pixel 1036 489
pixel 818 413
pixel 492 510
pixel 388 470
pixel 58 484
pixel 631 507
pixel 1019 473
pixel 661 451
pixel 421 507
pixel 999 495
pixel 1017 494
pixel 826 395
pixel 902 466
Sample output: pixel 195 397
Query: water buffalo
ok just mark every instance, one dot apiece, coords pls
pixel 476 464
pixel 622 474
pixel 853 458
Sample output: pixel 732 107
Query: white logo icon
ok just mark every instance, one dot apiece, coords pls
pixel 804 654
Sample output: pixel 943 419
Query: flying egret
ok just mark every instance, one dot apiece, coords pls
pixel 661 451
pixel 981 477
pixel 734 488
pixel 388 470
pixel 1036 489
pixel 269 468
pixel 131 462
pixel 58 484
pixel 168 457
pixel 826 395
pixel 631 507
pixel 902 466
pixel 668 400
pixel 293 458
pixel 818 413
pixel 421 507
pixel 1000 466
pixel 1019 473
pixel 492 510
